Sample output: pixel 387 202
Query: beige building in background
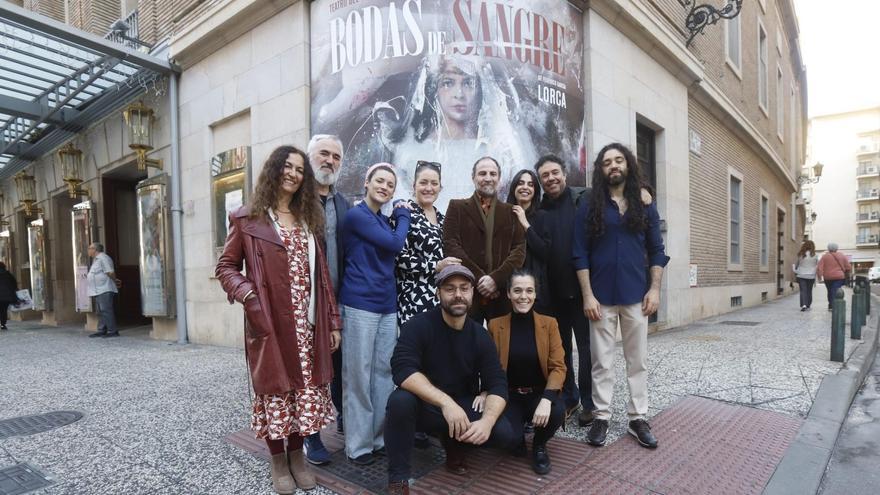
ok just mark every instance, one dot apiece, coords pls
pixel 846 198
pixel 719 125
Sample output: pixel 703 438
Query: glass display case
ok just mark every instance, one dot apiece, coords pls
pixel 155 251
pixel 230 188
pixel 37 256
pixel 81 218
pixel 6 248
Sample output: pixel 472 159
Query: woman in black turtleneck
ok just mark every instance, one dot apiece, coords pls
pixel 530 350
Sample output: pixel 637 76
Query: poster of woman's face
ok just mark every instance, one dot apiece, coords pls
pixel 448 81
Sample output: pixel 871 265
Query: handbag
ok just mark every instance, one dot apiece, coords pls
pixel 847 276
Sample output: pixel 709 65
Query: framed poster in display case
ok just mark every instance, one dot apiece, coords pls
pixel 230 186
pixel 5 248
pixel 81 220
pixel 37 256
pixel 153 222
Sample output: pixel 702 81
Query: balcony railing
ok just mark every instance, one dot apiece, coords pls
pixel 867 239
pixel 128 37
pixel 867 193
pixel 866 216
pixel 869 148
pixel 868 170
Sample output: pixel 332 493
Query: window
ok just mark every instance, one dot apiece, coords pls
pixel 793 216
pixel 780 105
pixel 734 259
pixel 765 230
pixel 732 46
pixel 794 127
pixel 763 89
pixel 736 301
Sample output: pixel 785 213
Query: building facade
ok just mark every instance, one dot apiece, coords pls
pixel 846 198
pixel 718 124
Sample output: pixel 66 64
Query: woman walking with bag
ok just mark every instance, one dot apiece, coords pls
pixel 291 320
pixel 805 271
pixel 834 268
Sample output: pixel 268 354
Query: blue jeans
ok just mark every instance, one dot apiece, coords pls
pixel 832 286
pixel 367 346
pixel 106 316
pixel 806 290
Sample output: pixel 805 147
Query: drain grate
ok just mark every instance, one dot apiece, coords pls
pixel 741 323
pixel 37 423
pixel 22 478
pixel 375 476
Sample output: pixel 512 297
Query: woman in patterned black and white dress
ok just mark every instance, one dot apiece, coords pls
pixel 422 255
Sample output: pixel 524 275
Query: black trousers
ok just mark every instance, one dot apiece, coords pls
pixel 4 312
pixel 569 314
pixel 336 383
pixel 406 413
pixel 521 408
pixel 806 290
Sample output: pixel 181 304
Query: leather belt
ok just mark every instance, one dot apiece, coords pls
pixel 522 390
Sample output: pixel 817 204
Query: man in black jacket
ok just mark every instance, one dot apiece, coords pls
pixel 442 360
pixel 566 303
pixel 325 158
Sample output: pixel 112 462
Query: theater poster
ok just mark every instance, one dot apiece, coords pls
pixel 448 81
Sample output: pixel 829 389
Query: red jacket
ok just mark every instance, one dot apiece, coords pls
pixel 832 266
pixel 270 334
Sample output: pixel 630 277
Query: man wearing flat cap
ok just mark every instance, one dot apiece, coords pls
pixel 442 360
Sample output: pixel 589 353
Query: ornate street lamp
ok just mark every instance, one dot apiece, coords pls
pixel 71 169
pixel 26 186
pixel 139 120
pixel 817 174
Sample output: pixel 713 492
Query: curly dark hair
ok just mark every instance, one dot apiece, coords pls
pixel 635 217
pixel 304 205
pixel 536 199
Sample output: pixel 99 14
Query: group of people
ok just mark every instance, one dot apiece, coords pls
pixel 833 268
pixel 372 320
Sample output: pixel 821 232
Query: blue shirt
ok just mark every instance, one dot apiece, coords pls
pixel 371 246
pixel 619 260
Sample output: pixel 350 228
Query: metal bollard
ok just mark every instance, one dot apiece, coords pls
pixel 867 287
pixel 855 319
pixel 838 324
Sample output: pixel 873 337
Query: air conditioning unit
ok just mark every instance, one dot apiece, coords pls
pixel 875 215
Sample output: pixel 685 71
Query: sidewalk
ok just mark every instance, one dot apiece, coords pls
pixel 156 413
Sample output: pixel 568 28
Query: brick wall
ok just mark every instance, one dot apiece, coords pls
pixel 94 16
pixel 49 8
pixel 709 182
pixel 709 48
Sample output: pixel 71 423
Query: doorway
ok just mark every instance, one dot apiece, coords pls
pixel 780 255
pixel 121 242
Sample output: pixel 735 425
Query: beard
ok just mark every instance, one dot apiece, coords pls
pixel 617 179
pixel 325 178
pixel 487 191
pixel 454 307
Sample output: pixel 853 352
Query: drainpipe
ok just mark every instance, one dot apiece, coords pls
pixel 177 212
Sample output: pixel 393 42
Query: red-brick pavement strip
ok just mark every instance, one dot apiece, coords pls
pixel 706 447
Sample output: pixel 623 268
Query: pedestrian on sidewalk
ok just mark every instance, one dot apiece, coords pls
pixel 291 319
pixel 325 157
pixel 369 309
pixel 616 237
pixel 531 353
pixel 8 289
pixel 805 271
pixel 833 268
pixel 103 286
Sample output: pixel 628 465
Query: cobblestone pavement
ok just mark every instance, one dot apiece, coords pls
pixel 156 413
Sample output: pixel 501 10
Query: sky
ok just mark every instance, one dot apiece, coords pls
pixel 840 42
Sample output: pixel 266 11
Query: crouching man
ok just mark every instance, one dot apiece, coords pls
pixel 442 360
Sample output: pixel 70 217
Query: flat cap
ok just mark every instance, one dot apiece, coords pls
pixel 451 271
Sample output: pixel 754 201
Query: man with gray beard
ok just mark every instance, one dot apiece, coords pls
pixel 325 158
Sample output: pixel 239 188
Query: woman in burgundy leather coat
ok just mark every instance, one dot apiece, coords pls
pixel 292 323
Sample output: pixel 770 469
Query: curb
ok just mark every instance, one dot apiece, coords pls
pixel 803 465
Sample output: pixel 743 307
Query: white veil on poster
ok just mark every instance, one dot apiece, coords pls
pixel 448 81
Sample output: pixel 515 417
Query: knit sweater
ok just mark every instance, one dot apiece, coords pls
pixel 371 246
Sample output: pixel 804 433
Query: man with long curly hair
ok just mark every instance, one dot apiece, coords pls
pixel 615 235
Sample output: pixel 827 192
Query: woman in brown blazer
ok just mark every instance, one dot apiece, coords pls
pixel 530 350
pixel 291 320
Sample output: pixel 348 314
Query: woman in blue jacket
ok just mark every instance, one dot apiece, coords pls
pixel 369 306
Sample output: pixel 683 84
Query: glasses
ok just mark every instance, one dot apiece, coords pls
pixel 423 163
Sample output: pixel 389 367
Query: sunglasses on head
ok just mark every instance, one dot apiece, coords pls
pixel 423 163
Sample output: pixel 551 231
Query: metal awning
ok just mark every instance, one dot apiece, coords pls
pixel 55 80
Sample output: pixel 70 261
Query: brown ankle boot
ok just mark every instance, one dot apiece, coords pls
pixel 305 479
pixel 282 482
pixel 398 488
